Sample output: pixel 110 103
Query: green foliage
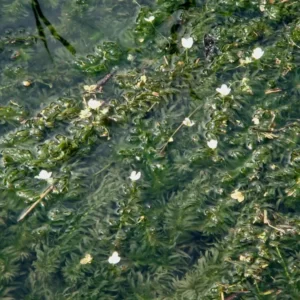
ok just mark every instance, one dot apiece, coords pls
pixel 178 230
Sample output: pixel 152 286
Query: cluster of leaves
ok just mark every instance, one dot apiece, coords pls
pixel 180 232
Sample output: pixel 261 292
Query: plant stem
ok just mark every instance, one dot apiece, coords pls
pixel 103 169
pixel 283 263
pixel 177 129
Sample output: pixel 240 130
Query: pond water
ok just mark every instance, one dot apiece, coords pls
pixel 149 149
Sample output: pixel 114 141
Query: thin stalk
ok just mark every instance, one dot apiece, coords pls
pixel 31 207
pixel 103 169
pixel 177 129
pixel 283 263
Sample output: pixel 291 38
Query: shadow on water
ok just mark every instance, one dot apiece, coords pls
pixel 39 16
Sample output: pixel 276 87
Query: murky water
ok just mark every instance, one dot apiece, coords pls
pixel 149 149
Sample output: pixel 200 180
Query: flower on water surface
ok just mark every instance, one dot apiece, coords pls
pixel 187 122
pixel 114 258
pixel 224 90
pixel 212 144
pixel 94 104
pixel 134 176
pixel 257 53
pixel 87 259
pixel 44 175
pixel 187 42
pixel 150 19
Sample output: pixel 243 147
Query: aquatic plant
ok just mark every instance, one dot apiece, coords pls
pixel 157 182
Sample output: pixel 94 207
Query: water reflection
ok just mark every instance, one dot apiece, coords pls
pixel 39 18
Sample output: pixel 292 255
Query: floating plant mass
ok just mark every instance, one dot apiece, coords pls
pixel 149 150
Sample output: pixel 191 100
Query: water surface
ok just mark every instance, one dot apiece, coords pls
pixel 215 212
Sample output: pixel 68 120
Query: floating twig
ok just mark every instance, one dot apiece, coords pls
pixel 31 207
pixel 267 221
pixel 104 80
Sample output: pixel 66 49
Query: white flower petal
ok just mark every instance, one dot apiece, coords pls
pixel 257 53
pixel 94 104
pixel 44 175
pixel 212 144
pixel 255 120
pixel 150 19
pixel 187 42
pixel 134 176
pixel 224 90
pixel 114 258
pixel 187 122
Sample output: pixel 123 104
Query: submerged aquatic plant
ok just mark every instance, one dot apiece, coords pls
pixel 214 213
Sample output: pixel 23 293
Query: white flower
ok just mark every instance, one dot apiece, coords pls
pixel 134 176
pixel 224 90
pixel 150 19
pixel 94 104
pixel 187 122
pixel 187 42
pixel 44 175
pixel 114 258
pixel 212 144
pixel 257 53
pixel 255 120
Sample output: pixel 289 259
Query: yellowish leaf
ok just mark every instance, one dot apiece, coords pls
pixel 237 195
pixel 269 292
pixel 26 83
pixel 271 91
pixel 90 88
pixel 269 136
pixel 86 260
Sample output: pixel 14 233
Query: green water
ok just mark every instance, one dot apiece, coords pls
pixel 215 212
